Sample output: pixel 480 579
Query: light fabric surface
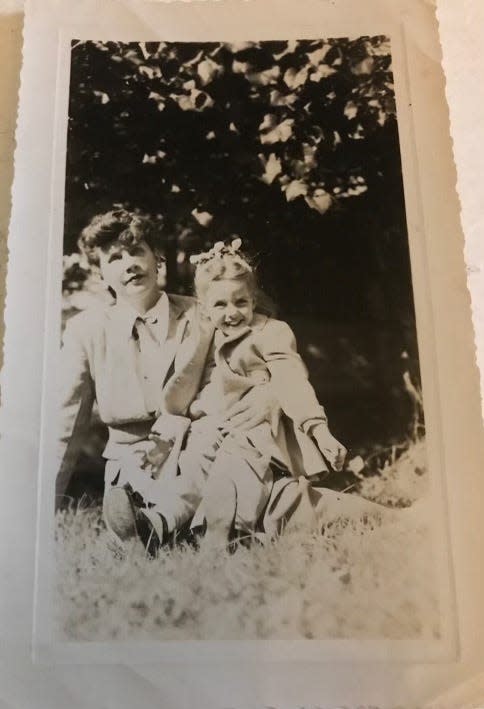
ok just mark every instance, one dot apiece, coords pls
pixel 452 686
pixel 113 357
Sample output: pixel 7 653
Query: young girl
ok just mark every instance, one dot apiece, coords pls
pixel 233 471
pixel 137 358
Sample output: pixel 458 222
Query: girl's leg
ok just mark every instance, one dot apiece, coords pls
pixel 178 498
pixel 219 505
pixel 333 507
pixel 238 487
pixel 297 503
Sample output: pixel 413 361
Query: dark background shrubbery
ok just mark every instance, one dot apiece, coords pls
pixel 291 145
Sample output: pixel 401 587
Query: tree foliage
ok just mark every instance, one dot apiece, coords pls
pixel 219 134
pixel 293 145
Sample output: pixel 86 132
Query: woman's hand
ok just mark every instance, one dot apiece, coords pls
pixel 150 455
pixel 157 453
pixel 259 405
pixel 333 451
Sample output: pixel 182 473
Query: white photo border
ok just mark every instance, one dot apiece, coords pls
pixel 47 647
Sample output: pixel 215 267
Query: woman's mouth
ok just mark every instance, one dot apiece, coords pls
pixel 134 279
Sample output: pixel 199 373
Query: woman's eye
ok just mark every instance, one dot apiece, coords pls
pixel 114 257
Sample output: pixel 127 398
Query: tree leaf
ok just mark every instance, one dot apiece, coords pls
pixel 208 70
pixel 277 98
pixel 195 101
pixel 280 133
pixel 320 200
pixel 203 218
pixel 152 72
pixel 318 55
pixel 350 110
pixel 293 78
pixel 295 189
pixel 322 72
pixel 364 67
pixel 272 168
pixel 264 78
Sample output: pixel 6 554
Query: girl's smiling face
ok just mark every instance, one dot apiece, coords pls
pixel 229 304
pixel 130 270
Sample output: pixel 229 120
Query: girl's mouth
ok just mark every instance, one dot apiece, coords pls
pixel 233 324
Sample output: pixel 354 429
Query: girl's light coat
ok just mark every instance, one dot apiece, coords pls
pixel 266 351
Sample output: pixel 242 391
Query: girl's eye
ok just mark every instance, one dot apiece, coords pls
pixel 241 303
pixel 219 304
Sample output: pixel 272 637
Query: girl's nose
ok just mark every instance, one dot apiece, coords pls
pixel 231 309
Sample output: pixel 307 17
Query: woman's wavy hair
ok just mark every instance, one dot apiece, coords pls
pixel 129 228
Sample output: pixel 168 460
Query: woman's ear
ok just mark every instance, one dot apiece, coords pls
pixel 97 279
pixel 160 261
pixel 159 257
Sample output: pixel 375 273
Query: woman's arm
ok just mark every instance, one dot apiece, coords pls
pixel 76 402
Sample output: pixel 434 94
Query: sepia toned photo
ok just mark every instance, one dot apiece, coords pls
pixel 241 440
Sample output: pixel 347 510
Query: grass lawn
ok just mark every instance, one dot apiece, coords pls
pixel 356 579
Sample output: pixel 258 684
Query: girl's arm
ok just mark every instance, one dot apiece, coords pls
pixel 289 376
pixel 76 402
pixel 296 396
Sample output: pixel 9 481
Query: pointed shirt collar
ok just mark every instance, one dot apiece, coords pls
pixel 125 316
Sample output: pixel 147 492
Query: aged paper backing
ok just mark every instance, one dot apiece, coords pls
pixel 432 220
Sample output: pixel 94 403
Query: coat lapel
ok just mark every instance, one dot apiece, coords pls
pixel 189 362
pixel 177 325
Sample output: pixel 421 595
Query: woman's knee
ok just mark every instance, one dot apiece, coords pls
pixel 118 512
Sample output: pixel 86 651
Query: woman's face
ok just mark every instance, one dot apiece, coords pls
pixel 130 270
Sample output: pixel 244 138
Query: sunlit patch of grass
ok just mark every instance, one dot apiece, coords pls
pixel 355 580
pixel 402 476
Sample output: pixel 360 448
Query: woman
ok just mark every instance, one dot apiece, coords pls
pixel 137 358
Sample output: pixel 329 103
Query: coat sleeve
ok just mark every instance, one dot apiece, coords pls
pixel 289 376
pixel 76 401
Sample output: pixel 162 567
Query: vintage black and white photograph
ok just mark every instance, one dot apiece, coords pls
pixel 241 434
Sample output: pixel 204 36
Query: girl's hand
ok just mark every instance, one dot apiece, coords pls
pixel 333 451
